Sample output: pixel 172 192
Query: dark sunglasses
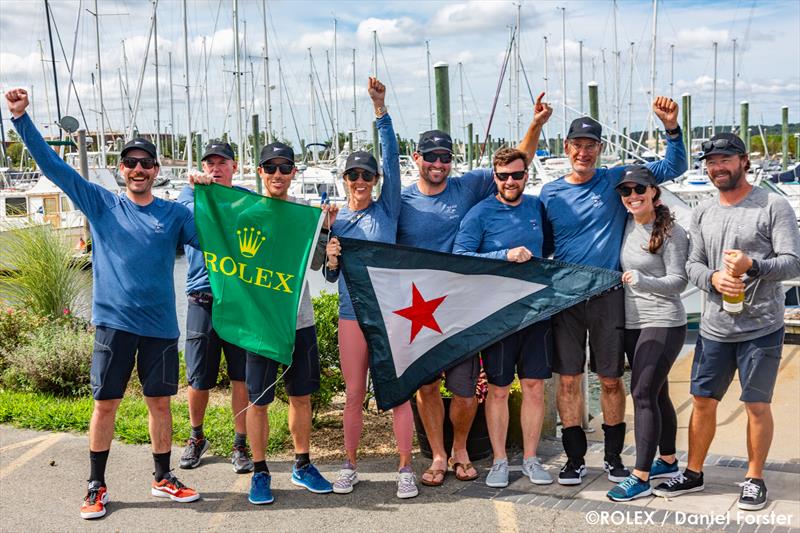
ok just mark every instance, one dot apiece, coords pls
pixel 285 168
pixel 146 162
pixel 720 144
pixel 431 157
pixel 626 191
pixel 353 175
pixel 503 176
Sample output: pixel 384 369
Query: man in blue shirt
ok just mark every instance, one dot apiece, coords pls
pixel 134 239
pixel 204 347
pixel 586 222
pixel 430 215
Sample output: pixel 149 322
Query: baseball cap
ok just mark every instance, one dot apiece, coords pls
pixel 585 127
pixel 139 144
pixel 434 140
pixel 362 160
pixel 218 148
pixel 276 150
pixel 723 143
pixel 637 174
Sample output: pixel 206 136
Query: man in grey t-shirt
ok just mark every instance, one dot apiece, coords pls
pixel 744 240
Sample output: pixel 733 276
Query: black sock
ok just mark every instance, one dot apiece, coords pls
pixel 197 432
pixel 260 466
pixel 97 464
pixel 614 437
pixel 161 461
pixel 691 474
pixel 239 440
pixel 301 460
pixel 573 439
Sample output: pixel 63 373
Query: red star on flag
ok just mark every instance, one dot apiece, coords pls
pixel 420 313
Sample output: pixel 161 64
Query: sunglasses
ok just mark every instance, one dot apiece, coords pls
pixel 587 147
pixel 432 157
pixel 503 176
pixel 720 144
pixel 285 168
pixel 626 191
pixel 131 162
pixel 353 175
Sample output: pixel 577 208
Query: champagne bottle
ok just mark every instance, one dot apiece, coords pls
pixel 733 304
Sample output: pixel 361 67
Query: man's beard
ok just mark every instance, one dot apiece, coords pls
pixel 733 180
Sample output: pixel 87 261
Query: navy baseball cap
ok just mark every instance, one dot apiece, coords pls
pixel 723 143
pixel 585 127
pixel 434 140
pixel 276 150
pixel 363 160
pixel 219 148
pixel 139 143
pixel 637 174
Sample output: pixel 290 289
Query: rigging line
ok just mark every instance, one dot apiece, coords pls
pixel 391 84
pixel 321 100
pixel 291 111
pixel 533 100
pixel 71 79
pixel 497 95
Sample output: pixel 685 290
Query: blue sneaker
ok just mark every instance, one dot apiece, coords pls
pixel 309 477
pixel 629 489
pixel 260 493
pixel 661 468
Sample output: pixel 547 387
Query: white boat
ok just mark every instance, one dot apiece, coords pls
pixel 44 203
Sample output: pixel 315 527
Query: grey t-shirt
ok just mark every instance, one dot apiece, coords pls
pixel 763 226
pixel 653 300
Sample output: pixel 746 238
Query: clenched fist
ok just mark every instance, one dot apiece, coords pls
pixel 666 109
pixel 17 100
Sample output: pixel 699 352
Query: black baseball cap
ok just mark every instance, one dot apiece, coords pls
pixel 219 148
pixel 585 127
pixel 434 140
pixel 276 150
pixel 637 174
pixel 139 143
pixel 363 160
pixel 723 143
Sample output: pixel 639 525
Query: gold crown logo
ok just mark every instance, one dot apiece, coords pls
pixel 250 241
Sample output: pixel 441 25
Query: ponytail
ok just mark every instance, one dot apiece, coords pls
pixel 662 226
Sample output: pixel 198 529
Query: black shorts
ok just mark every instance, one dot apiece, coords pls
pixel 462 378
pixel 204 349
pixel 301 379
pixel 527 351
pixel 116 352
pixel 757 361
pixel 604 318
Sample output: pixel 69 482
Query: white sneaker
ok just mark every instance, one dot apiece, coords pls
pixel 532 467
pixel 406 485
pixel 348 477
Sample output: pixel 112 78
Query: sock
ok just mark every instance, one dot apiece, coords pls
pixel 197 432
pixel 301 460
pixel 239 440
pixel 406 470
pixel 574 441
pixel 691 474
pixel 348 465
pixel 161 461
pixel 97 463
pixel 500 461
pixel 260 466
pixel 614 437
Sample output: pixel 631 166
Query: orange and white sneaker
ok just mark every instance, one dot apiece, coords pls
pixel 170 487
pixel 94 505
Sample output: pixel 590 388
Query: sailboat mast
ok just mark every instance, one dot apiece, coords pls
pixel 189 139
pixel 430 95
pixel 205 88
pixel 545 81
pixel 463 108
pixel 630 95
pixel 564 69
pixel 714 96
pixel 335 90
pixel 268 103
pixel 650 123
pixel 517 69
pixel 313 102
pixel 155 56
pixel 53 60
pixel 355 102
pixel 238 74
pixel 580 81
pixel 616 78
pixel 100 87
pixel 733 89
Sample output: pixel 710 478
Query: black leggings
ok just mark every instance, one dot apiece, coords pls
pixel 651 352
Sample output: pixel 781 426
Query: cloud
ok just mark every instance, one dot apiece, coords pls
pixel 701 37
pixel 320 40
pixel 403 31
pixel 480 16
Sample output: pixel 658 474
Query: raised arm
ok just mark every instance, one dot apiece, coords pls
pixel 541 114
pixel 674 163
pixel 390 191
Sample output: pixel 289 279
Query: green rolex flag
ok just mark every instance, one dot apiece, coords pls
pixel 256 250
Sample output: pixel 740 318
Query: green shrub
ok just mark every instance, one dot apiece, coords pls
pixel 15 324
pixel 326 319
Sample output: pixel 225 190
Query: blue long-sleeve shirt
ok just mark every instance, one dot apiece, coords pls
pixel 492 228
pixel 378 222
pixel 585 222
pixel 133 246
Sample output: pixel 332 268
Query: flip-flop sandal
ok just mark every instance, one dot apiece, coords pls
pixel 464 467
pixel 434 473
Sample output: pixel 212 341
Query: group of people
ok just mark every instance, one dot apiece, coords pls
pixel 743 240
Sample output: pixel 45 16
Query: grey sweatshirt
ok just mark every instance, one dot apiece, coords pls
pixel 763 226
pixel 305 313
pixel 653 299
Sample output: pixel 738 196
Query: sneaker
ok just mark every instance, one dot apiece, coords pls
pixel 348 478
pixel 754 494
pixel 309 477
pixel 661 468
pixel 498 475
pixel 241 461
pixel 629 489
pixel 406 485
pixel 680 484
pixel 532 467
pixel 260 493
pixel 571 473
pixel 194 450
pixel 94 504
pixel 617 472
pixel 171 488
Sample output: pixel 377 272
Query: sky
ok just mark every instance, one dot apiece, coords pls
pixel 473 34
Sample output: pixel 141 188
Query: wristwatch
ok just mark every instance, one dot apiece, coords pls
pixel 674 131
pixel 754 270
pixel 380 111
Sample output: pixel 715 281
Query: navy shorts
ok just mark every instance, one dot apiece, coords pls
pixel 526 352
pixel 603 316
pixel 462 378
pixel 301 378
pixel 757 361
pixel 204 349
pixel 116 352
